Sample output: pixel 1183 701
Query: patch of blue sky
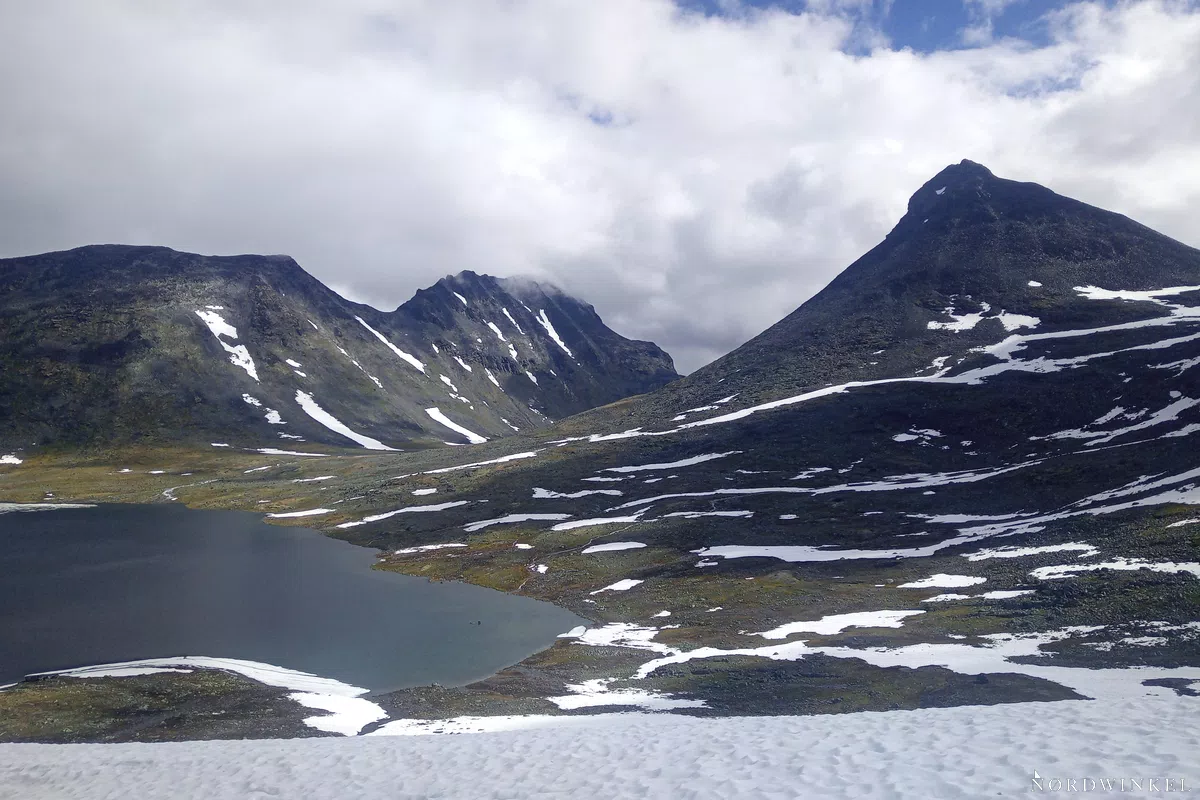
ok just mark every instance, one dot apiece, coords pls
pixel 923 25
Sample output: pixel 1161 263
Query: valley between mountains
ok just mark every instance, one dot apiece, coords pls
pixel 964 473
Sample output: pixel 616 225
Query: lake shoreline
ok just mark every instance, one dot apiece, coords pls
pixel 86 672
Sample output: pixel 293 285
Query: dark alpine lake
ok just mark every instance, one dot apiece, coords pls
pixel 116 583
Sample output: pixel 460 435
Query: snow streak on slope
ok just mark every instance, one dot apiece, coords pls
pixel 1084 551
pixel 426 548
pixel 686 462
pixel 437 416
pixel 406 510
pixel 477 464
pixel 887 484
pixel 512 519
pixel 620 586
pixel 322 416
pixel 1183 490
pixel 802 553
pixel 943 581
pixel 610 547
pixel 545 494
pixel 513 321
pixel 312 512
pixel 400 353
pixel 354 361
pixel 836 623
pixel 545 323
pixel 239 356
pixel 1170 413
pixel 1152 295
pixel 1117 565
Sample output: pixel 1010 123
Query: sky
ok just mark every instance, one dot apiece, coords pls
pixel 694 169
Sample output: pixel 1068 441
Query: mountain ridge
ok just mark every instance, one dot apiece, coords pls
pixel 108 343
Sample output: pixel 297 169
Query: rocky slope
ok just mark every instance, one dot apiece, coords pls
pixel 116 344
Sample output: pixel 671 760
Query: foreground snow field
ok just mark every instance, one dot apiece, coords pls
pixel 972 751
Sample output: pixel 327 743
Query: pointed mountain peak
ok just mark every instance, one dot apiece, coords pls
pixel 980 245
pixel 967 193
pixel 965 170
pixel 965 180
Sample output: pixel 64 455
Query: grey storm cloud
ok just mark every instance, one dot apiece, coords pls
pixel 695 178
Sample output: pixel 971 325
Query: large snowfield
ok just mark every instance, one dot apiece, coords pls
pixel 1013 750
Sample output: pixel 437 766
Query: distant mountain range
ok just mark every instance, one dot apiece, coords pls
pixel 964 473
pixel 116 344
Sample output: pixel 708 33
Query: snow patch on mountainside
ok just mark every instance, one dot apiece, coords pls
pixel 1150 295
pixel 322 416
pixel 437 416
pixel 406 510
pixel 312 512
pixel 477 464
pixel 943 581
pixel 511 519
pixel 544 321
pixel 610 547
pixel 620 586
pixel 545 494
pixel 686 462
pixel 513 321
pixel 836 623
pixel 239 356
pixel 966 322
pixel 409 359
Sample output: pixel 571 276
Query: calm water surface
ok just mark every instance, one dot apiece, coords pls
pixel 115 583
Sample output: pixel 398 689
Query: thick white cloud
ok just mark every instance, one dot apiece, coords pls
pixel 695 178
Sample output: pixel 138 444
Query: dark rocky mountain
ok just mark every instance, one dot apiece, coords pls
pixel 115 344
pixel 970 244
pixel 577 360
